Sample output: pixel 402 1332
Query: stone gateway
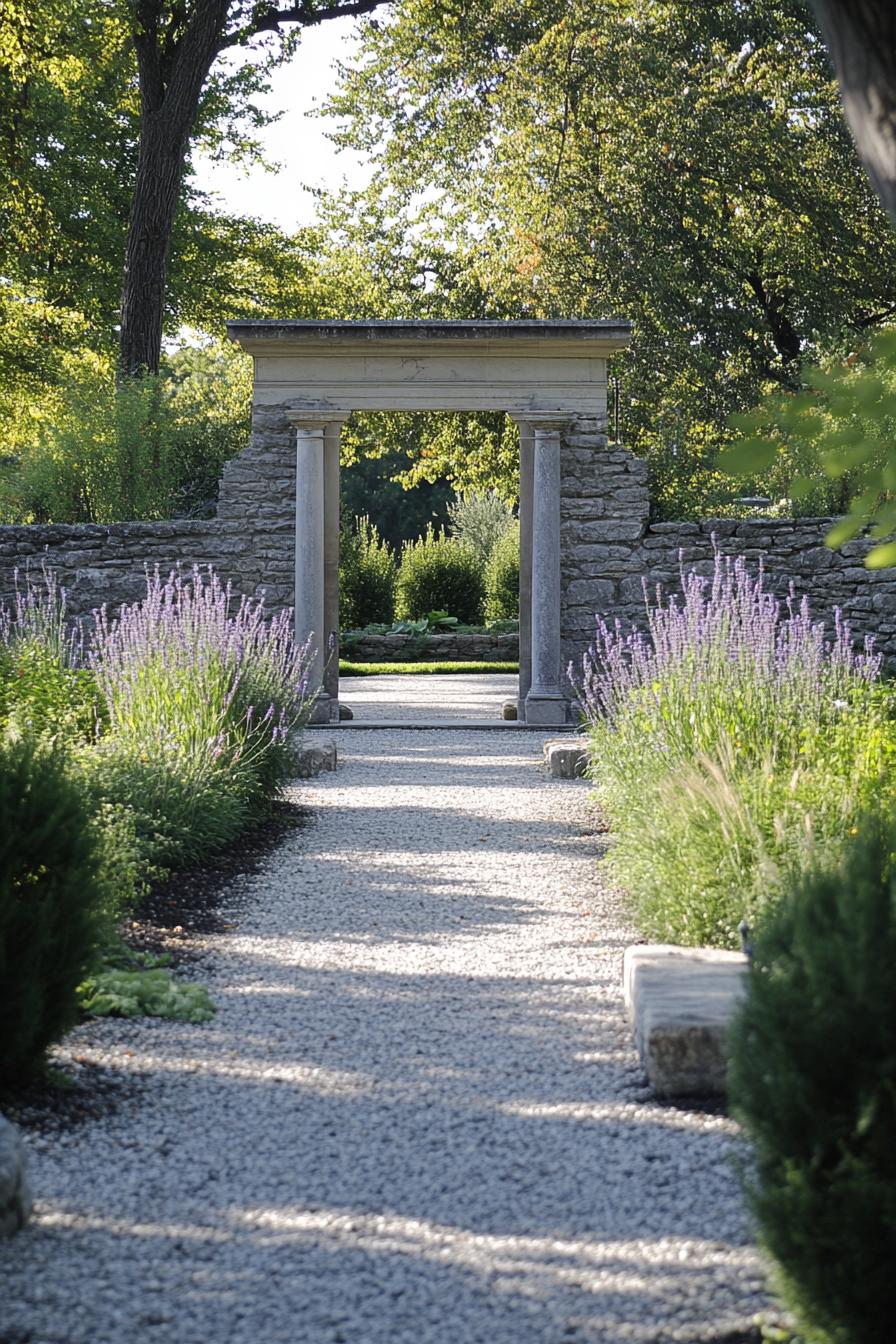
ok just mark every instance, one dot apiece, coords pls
pixel 551 377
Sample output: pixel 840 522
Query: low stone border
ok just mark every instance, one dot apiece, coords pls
pixel 681 1002
pixel 15 1195
pixel 449 648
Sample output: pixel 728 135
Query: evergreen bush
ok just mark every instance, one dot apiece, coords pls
pixel 438 573
pixel 502 577
pixel 368 572
pixel 51 902
pixel 813 1078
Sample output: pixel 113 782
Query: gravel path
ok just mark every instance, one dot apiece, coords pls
pixel 417 1117
pixel 437 695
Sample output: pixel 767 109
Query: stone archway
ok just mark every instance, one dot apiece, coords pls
pixel 549 376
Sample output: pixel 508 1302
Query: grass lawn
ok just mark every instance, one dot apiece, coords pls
pixel 349 669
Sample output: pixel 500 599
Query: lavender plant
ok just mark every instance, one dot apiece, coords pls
pixel 728 739
pixel 203 701
pixel 725 662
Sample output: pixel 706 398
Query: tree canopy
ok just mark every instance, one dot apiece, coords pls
pixel 685 166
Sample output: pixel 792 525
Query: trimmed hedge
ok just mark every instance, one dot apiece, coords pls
pixel 368 571
pixel 439 574
pixel 502 577
pixel 51 902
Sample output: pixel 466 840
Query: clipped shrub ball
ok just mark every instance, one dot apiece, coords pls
pixel 368 571
pixel 813 1078
pixel 502 577
pixel 439 574
pixel 50 903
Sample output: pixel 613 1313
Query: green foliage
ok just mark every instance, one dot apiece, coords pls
pixel 502 577
pixel 813 1078
pixel 726 744
pixel 50 889
pixel 716 839
pixel 115 992
pixel 352 669
pixel 831 447
pixel 377 452
pixel 152 447
pixel 368 571
pixel 479 519
pixel 438 573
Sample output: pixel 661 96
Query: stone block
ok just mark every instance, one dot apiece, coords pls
pixel 681 1002
pixel 594 593
pixel 314 758
pixel 509 710
pixel 566 757
pixel 15 1194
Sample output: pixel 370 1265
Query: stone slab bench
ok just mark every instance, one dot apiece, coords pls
pixel 681 1001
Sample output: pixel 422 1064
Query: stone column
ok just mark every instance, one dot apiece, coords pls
pixel 309 591
pixel 545 701
pixel 332 434
pixel 527 445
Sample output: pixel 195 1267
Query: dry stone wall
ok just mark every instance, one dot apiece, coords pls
pixel 609 550
pixel 101 564
pixel 450 648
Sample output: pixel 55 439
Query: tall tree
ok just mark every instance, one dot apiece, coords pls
pixel 177 43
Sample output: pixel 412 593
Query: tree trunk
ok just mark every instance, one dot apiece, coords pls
pixel 160 169
pixel 861 38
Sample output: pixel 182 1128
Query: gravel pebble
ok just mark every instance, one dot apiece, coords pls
pixel 418 1116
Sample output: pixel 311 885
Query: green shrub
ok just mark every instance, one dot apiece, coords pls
pixel 44 687
pixel 813 1078
pixel 368 572
pixel 502 577
pixel 439 574
pixel 150 447
pixel 51 902
pixel 479 519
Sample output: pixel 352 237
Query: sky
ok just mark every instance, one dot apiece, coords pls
pixel 297 141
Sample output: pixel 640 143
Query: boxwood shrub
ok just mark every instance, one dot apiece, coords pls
pixel 813 1078
pixel 51 902
pixel 440 574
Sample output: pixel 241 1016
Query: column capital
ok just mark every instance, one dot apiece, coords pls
pixel 311 420
pixel 548 420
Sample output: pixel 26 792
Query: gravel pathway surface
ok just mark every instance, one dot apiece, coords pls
pixel 417 1117
pixel 437 695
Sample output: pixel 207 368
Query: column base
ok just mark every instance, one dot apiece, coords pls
pixel 322 710
pixel 550 710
